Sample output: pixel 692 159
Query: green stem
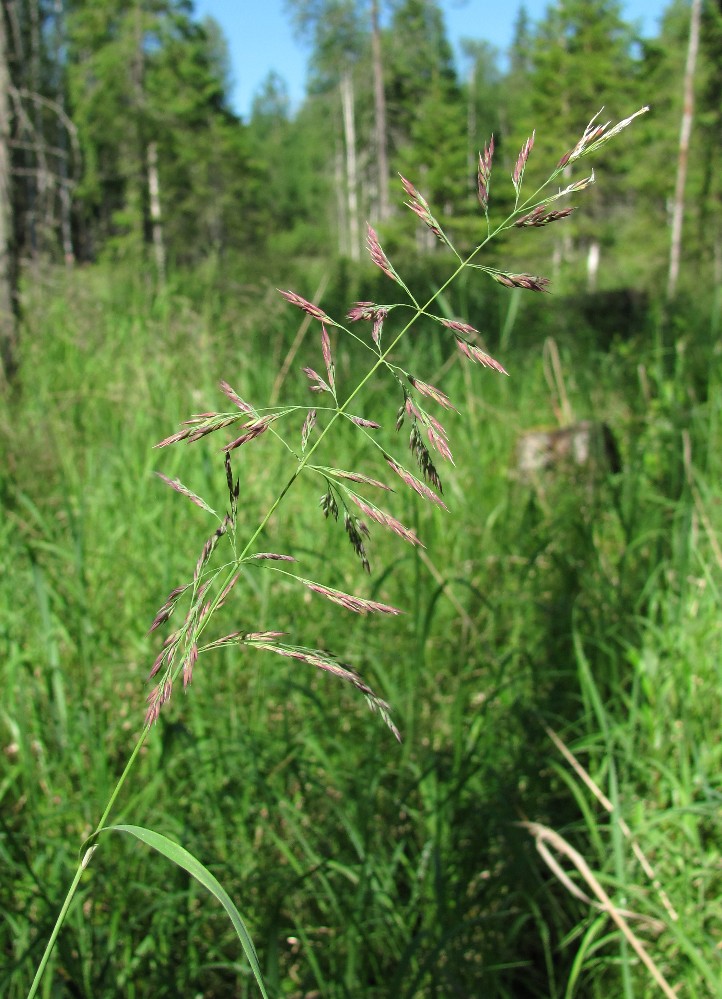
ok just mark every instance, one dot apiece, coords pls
pixel 83 864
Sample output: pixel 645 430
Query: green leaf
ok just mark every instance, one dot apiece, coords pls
pixel 180 856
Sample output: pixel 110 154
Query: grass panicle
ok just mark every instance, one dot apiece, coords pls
pixel 231 556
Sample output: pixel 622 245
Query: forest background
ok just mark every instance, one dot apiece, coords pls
pixel 558 662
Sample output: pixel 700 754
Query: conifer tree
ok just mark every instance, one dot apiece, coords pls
pixel 426 112
pixel 582 56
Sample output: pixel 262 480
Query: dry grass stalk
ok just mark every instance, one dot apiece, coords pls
pixel 607 804
pixel 543 835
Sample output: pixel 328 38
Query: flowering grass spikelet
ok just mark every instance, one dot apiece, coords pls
pixel 484 175
pixel 385 519
pixel 362 311
pixel 308 307
pixel 328 360
pixel 308 424
pixel 478 355
pixel 200 426
pixel 209 547
pixel 272 557
pixel 360 421
pixel 168 607
pixel 529 282
pixel 178 486
pixel 419 487
pixel 235 398
pixel 595 136
pixel 432 392
pixel 329 505
pixel 420 207
pixel 359 605
pixel 518 176
pixel 317 382
pixel 423 458
pixel 377 254
pixel 357 530
pixel 452 324
pixel 356 477
pixel 370 312
pixel 540 217
pixel 252 429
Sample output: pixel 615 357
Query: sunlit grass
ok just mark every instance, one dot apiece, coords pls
pixel 364 867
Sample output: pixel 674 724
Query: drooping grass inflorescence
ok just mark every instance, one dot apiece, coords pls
pixel 213 583
pixel 426 433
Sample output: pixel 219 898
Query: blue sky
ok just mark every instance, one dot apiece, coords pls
pixel 260 37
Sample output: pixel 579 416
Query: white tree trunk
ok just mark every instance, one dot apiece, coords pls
pixel 338 186
pixel 685 132
pixel 349 132
pixel 593 254
pixel 155 212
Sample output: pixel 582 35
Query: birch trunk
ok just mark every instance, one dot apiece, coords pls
pixel 593 255
pixel 382 159
pixel 349 131
pixel 675 249
pixel 155 212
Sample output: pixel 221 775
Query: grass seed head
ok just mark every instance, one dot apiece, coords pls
pixel 420 207
pixel 540 216
pixel 484 174
pixel 377 254
pixel 308 307
pixel 529 282
pixel 518 175
pixel 356 531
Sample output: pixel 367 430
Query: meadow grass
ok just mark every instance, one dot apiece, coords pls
pixel 363 867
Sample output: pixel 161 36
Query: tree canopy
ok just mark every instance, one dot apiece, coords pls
pixel 124 143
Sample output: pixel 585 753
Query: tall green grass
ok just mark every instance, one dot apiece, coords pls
pixel 363 868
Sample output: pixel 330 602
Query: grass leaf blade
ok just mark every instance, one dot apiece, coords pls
pixel 180 856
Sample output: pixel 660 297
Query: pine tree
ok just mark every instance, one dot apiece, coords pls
pixel 164 156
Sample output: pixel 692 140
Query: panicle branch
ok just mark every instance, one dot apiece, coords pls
pixel 595 136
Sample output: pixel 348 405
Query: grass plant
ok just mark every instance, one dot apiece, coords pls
pixel 362 868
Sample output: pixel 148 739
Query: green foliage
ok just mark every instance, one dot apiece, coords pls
pixel 138 75
pixel 588 607
pixel 591 609
pixel 135 75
